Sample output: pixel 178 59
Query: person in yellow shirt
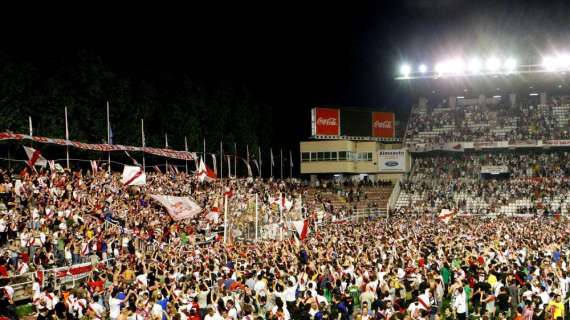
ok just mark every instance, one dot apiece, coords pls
pixel 556 308
pixel 492 280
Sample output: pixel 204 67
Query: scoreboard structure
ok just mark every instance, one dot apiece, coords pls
pixel 353 124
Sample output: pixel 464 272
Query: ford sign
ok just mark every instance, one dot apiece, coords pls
pixel 391 163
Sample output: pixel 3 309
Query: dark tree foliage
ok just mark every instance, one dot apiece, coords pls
pixel 172 104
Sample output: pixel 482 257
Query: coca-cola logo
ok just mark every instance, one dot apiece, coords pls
pixel 326 121
pixel 387 124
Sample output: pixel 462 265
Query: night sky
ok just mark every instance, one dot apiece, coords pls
pixel 293 55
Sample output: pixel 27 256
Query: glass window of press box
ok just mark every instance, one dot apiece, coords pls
pixel 336 156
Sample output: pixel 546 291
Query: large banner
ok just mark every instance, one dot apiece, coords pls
pixel 383 124
pixel 392 160
pixel 494 169
pixel 325 121
pixel 167 153
pixel 178 207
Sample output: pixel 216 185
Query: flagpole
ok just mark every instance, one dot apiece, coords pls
pixel 221 161
pixel 31 130
pixel 108 139
pixel 235 160
pixel 271 164
pixel 186 149
pixel 281 162
pixel 143 144
pixel 225 218
pixel 166 144
pixel 290 164
pixel 259 156
pixel 66 138
pixel 256 216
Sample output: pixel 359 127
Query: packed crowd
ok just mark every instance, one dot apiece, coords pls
pixel 494 121
pixel 538 180
pixel 409 269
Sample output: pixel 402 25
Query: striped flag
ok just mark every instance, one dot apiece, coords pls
pixel 35 157
pixel 51 165
pixel 157 169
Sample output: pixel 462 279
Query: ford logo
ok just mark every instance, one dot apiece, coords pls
pixel 391 163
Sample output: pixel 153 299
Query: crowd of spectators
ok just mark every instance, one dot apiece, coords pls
pixel 538 180
pixel 494 121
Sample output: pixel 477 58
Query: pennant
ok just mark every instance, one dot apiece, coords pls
pixel 229 166
pixel 35 157
pixel 214 163
pixel 257 166
pixel 249 173
pixel 133 176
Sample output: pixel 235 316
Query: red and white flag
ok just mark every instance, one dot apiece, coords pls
pixel 133 176
pixel 174 169
pixel 302 228
pixel 35 157
pixel 94 167
pixel 204 172
pixel 445 215
pixel 178 207
pixel 157 169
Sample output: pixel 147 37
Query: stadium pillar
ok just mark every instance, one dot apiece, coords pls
pixel 452 102
pixel 543 98
pixel 482 100
pixel 513 99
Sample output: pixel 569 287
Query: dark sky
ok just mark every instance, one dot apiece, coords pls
pixel 293 55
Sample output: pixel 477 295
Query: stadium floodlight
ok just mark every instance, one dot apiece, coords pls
pixel 474 65
pixel 456 66
pixel 439 68
pixel 549 63
pixel 563 61
pixel 422 68
pixel 460 97
pixel 405 70
pixel 534 94
pixel 510 65
pixel 493 64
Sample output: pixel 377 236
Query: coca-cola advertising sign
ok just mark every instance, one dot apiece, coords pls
pixel 383 124
pixel 326 121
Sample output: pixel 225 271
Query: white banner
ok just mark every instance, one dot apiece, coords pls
pixel 178 207
pixel 494 169
pixel 392 160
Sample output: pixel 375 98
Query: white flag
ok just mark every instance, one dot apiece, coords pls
pixel 215 164
pixel 133 176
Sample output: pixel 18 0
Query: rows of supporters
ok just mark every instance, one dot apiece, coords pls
pixel 395 268
pixel 50 219
pixel 537 181
pixel 494 121
pixel 59 218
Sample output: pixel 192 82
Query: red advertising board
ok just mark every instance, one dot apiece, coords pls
pixel 383 124
pixel 326 122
